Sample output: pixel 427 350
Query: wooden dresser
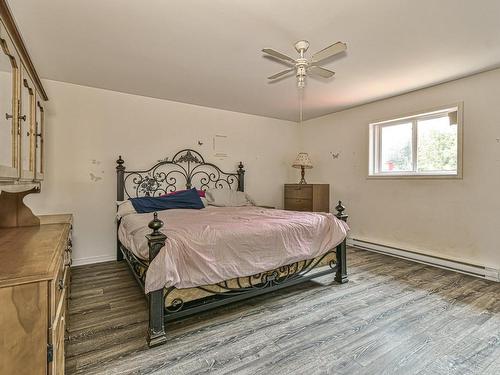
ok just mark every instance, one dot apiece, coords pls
pixel 34 291
pixel 307 197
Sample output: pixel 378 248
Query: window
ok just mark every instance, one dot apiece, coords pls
pixel 422 145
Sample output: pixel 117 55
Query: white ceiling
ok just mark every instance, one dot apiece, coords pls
pixel 209 52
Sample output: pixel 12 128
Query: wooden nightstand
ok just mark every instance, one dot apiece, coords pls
pixel 307 197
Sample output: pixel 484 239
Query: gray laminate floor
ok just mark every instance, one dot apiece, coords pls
pixel 393 317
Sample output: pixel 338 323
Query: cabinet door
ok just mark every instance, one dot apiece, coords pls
pixel 27 127
pixel 8 111
pixel 39 139
pixel 23 329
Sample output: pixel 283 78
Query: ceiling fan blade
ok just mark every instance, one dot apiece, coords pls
pixel 275 59
pixel 322 72
pixel 278 55
pixel 329 51
pixel 277 75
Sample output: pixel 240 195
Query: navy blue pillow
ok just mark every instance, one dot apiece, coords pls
pixel 183 199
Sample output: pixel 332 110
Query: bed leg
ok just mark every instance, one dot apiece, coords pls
pixel 341 274
pixel 119 254
pixel 156 330
pixel 120 195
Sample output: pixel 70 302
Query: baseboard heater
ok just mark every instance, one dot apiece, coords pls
pixel 484 272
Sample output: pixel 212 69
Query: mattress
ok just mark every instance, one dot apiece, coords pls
pixel 215 244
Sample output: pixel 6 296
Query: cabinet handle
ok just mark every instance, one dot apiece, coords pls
pixel 36 139
pixel 23 117
pixel 8 117
pixel 60 284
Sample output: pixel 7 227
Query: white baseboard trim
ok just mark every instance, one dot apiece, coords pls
pixel 94 259
pixel 484 272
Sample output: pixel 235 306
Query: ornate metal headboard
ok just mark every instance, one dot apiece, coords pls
pixel 187 167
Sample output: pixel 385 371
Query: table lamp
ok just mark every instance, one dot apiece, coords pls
pixel 303 162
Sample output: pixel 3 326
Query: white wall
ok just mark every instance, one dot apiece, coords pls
pixel 452 218
pixel 88 128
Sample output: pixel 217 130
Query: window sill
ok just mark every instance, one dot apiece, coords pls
pixel 415 177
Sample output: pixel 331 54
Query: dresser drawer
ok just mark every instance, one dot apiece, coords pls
pixel 59 283
pixel 58 333
pixel 68 252
pixel 297 191
pixel 298 204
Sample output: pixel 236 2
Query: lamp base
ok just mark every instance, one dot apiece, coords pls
pixel 302 175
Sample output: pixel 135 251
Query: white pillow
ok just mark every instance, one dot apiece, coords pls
pixel 228 198
pixel 204 201
pixel 124 208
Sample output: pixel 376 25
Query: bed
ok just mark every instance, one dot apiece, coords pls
pixel 189 261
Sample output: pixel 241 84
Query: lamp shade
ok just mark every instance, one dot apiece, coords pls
pixel 302 160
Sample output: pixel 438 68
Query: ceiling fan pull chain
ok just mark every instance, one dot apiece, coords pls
pixel 301 98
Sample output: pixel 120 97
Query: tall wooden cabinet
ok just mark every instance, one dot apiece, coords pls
pixel 22 99
pixel 35 251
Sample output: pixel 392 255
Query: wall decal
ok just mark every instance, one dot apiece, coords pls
pixel 221 145
pixel 95 170
pixel 94 178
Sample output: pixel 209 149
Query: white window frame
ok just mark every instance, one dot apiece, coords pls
pixel 375 140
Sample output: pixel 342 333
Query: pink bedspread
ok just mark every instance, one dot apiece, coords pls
pixel 220 243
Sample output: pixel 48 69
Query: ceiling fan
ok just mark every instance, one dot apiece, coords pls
pixel 303 66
